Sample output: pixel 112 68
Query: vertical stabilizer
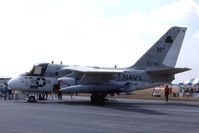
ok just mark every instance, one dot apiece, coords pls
pixel 164 53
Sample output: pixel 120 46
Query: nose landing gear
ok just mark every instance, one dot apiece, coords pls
pixel 31 99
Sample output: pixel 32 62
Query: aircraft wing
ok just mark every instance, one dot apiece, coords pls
pixel 94 69
pixel 94 74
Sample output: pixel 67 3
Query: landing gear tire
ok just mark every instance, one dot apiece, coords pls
pixel 31 99
pixel 98 98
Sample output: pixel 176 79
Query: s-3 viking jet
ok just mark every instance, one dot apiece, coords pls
pixel 154 68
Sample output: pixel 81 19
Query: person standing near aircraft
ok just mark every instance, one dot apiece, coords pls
pixel 59 95
pixel 5 91
pixel 10 95
pixel 167 91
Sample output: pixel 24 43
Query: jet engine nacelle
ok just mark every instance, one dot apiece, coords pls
pixel 66 81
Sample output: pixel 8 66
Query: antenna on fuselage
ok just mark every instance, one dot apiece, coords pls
pixel 52 62
pixel 61 62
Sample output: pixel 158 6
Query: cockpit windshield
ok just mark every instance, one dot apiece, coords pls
pixel 37 70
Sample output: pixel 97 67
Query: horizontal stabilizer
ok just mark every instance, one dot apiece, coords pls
pixel 168 70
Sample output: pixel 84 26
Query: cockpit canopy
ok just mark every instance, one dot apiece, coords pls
pixel 38 70
pixel 48 70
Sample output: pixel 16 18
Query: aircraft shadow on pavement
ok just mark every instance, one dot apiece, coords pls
pixel 163 103
pixel 130 107
pixel 142 106
pixel 136 109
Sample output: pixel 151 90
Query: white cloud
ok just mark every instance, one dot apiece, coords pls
pixel 176 11
pixel 196 36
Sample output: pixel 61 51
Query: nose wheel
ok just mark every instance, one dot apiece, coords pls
pixel 31 99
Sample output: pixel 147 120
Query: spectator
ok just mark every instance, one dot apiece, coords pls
pixel 166 91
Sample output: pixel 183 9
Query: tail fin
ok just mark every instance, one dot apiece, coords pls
pixel 164 52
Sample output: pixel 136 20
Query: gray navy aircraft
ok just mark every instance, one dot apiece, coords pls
pixel 156 67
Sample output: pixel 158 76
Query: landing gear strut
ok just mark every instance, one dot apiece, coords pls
pixel 98 98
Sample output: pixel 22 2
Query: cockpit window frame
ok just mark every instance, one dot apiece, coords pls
pixel 38 70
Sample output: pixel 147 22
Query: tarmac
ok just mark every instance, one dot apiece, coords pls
pixel 77 115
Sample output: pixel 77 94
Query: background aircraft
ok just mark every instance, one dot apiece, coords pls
pixel 154 68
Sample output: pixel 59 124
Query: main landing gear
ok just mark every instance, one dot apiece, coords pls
pixel 98 98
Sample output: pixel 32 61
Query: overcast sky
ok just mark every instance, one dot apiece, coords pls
pixel 93 33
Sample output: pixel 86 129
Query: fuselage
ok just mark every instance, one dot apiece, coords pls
pixel 47 77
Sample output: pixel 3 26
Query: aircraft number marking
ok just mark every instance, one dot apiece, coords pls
pixel 160 49
pixel 150 63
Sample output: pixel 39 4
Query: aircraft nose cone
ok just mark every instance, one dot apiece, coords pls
pixel 14 83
